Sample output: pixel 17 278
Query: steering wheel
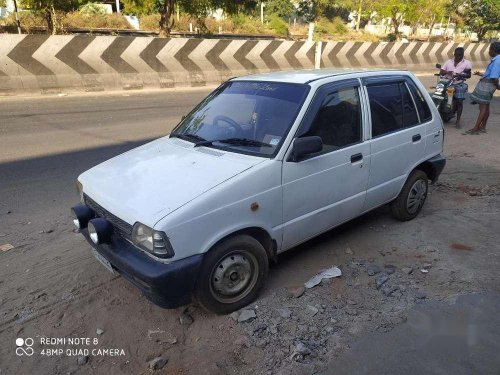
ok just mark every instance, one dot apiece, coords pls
pixel 229 121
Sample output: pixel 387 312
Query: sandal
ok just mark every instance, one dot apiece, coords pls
pixel 471 132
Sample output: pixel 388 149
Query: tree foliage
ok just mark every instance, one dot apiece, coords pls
pixel 479 16
pixel 280 8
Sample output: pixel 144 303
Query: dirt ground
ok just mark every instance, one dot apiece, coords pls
pixel 51 285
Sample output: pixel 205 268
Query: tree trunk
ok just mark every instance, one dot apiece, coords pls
pixel 166 12
pixel 358 21
pixel 481 33
pixel 431 27
pixel 395 24
pixel 50 20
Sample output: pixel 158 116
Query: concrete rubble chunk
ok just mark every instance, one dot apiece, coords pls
pixel 285 312
pixel 158 363
pixel 246 316
pixel 325 274
pixel 6 247
pixel 82 360
pixel 295 291
pixel 381 280
pixel 373 269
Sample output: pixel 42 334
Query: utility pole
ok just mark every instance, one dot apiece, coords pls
pixel 17 18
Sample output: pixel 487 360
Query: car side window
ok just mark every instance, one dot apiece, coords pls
pixel 338 121
pixel 386 108
pixel 423 108
pixel 410 117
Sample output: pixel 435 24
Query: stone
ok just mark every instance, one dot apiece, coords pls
pixel 295 291
pixel 423 270
pixel 381 280
pixel 420 294
pixel 389 269
pixel 158 363
pixel 246 316
pixel 388 289
pixel 185 319
pixel 285 312
pixel 407 270
pixel 427 265
pixel 360 262
pixel 300 351
pixel 234 315
pixel 261 343
pixel 99 331
pixel 373 269
pixel 6 247
pixel 312 310
pixel 349 251
pixel 82 360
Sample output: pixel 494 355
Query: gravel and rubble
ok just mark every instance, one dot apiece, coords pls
pixel 321 323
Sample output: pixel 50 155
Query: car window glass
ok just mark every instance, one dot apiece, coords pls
pixel 338 121
pixel 262 112
pixel 386 108
pixel 410 117
pixel 423 108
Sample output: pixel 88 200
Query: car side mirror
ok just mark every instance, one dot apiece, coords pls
pixel 306 146
pixel 438 66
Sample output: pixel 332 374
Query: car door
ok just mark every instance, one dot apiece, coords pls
pixel 327 188
pixel 397 138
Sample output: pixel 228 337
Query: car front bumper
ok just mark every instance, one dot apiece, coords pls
pixel 168 285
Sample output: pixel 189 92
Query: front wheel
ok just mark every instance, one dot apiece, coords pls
pixel 412 197
pixel 232 274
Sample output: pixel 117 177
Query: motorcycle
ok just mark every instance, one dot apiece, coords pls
pixel 443 94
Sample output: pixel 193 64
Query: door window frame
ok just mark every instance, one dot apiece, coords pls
pixel 381 80
pixel 315 105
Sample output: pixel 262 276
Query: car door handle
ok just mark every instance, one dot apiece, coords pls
pixel 416 138
pixel 356 157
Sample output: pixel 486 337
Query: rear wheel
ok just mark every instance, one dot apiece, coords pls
pixel 232 274
pixel 412 197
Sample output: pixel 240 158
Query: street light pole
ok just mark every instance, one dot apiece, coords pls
pixel 118 6
pixel 262 12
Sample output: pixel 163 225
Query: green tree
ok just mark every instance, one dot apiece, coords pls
pixel 393 9
pixel 479 16
pixel 280 8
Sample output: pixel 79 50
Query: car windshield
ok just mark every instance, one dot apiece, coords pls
pixel 244 116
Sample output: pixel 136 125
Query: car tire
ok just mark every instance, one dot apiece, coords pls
pixel 232 274
pixel 412 197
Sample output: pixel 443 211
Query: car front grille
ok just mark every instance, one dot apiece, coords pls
pixel 121 227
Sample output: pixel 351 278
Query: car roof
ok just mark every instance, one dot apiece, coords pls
pixel 308 75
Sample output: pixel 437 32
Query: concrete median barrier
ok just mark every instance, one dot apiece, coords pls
pixel 51 64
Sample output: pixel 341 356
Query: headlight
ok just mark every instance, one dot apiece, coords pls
pixel 152 241
pixel 79 190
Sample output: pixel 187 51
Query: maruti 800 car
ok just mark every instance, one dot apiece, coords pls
pixel 262 164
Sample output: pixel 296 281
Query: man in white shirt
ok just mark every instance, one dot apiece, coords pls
pixel 458 66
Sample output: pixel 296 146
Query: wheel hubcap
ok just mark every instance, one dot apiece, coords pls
pixel 416 197
pixel 234 276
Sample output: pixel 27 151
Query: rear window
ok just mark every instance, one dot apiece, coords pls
pixel 423 108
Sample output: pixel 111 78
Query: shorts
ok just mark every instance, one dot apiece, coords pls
pixel 460 90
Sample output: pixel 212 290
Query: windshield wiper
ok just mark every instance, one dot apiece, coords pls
pixel 188 137
pixel 234 141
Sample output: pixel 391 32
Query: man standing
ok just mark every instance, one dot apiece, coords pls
pixel 458 67
pixel 486 87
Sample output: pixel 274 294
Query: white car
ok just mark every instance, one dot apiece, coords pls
pixel 262 164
